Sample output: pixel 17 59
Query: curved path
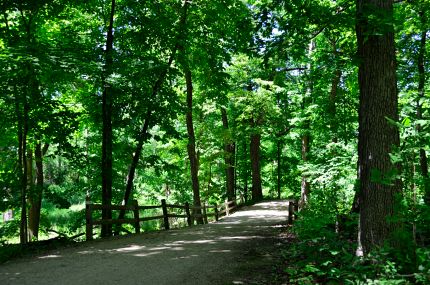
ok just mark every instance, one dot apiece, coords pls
pixel 235 250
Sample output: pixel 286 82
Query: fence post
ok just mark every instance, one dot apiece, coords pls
pixel 88 219
pixel 136 216
pixel 205 215
pixel 216 213
pixel 187 212
pixel 290 211
pixel 227 210
pixel 296 208
pixel 165 215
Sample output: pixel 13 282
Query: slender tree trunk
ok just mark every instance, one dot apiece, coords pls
pixel 107 101
pixel 235 173
pixel 229 158
pixel 245 168
pixel 29 165
pixel 209 178
pixel 35 198
pixel 31 190
pixel 279 165
pixel 257 191
pixel 421 95
pixel 21 134
pixel 133 165
pixel 191 147
pixel 305 185
pixel 305 188
pixel 23 225
pixel 378 101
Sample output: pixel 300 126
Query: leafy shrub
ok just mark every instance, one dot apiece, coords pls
pixel 319 255
pixel 9 230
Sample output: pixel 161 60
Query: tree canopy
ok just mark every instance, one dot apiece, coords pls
pixel 325 102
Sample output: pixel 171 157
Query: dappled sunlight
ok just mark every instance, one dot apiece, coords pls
pixel 159 248
pixel 133 247
pixel 49 256
pixel 174 251
pixel 177 248
pixel 147 254
pixel 232 238
pixel 188 256
pixel 220 251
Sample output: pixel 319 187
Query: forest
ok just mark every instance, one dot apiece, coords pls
pixel 200 101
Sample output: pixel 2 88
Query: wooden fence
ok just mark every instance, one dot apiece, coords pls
pixel 188 212
pixel 293 208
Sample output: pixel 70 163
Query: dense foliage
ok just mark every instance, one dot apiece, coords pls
pixel 211 100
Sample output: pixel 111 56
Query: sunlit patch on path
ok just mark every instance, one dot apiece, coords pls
pixel 207 254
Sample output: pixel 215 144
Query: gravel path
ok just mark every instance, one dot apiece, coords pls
pixel 240 249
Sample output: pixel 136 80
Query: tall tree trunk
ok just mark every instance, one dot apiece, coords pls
pixel 421 95
pixel 378 101
pixel 305 188
pixel 134 163
pixel 229 158
pixel 21 134
pixel 35 198
pixel 107 101
pixel 209 177
pixel 279 165
pixel 191 147
pixel 30 185
pixel 235 173
pixel 257 191
pixel 245 168
pixel 23 236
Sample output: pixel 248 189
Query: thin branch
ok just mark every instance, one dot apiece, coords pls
pixel 291 69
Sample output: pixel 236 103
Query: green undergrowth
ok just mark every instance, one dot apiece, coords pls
pixel 319 255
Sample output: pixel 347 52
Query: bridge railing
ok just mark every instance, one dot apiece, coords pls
pixel 190 213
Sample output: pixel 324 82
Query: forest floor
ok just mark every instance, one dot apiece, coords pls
pixel 243 248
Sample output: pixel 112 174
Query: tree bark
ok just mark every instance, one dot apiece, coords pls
pixel 305 188
pixel 257 191
pixel 421 95
pixel 23 236
pixel 245 178
pixel 305 185
pixel 135 161
pixel 229 158
pixel 35 198
pixel 378 101
pixel 107 101
pixel 22 174
pixel 279 165
pixel 191 146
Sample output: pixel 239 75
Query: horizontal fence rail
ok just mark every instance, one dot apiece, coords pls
pixel 190 213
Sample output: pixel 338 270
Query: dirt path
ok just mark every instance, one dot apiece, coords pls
pixel 240 249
